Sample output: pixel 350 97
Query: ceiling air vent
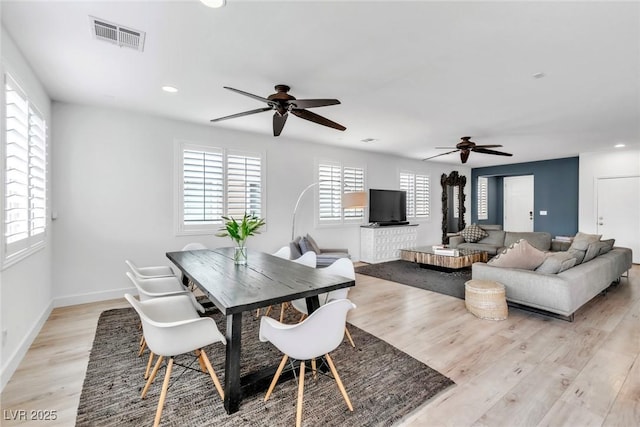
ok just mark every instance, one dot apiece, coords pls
pixel 117 34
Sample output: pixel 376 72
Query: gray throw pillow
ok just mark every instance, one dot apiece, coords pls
pixel 577 254
pixel 295 248
pixel 593 250
pixel 608 245
pixel 305 246
pixel 313 244
pixel 556 262
pixel 581 240
pixel 473 233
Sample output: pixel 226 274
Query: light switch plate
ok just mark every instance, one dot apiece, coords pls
pixel 543 212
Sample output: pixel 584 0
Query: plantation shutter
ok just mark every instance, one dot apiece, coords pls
pixel 329 192
pixel 244 185
pixel 203 186
pixel 483 198
pixel 353 179
pixel 25 188
pixel 408 184
pixel 422 195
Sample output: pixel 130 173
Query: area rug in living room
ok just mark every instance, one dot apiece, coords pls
pixel 410 273
pixel 383 383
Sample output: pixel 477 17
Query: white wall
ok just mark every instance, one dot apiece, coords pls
pixel 114 186
pixel 618 163
pixel 25 289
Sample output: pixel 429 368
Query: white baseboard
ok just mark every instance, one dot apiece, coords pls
pixel 93 297
pixel 14 360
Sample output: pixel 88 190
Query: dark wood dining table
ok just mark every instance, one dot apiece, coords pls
pixel 234 289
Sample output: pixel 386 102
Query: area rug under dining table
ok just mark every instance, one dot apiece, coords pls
pixel 383 383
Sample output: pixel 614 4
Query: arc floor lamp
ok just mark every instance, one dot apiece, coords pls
pixel 350 200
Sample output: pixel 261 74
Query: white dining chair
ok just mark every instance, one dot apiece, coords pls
pixel 172 327
pixel 341 267
pixel 285 253
pixel 308 259
pixel 316 336
pixel 150 272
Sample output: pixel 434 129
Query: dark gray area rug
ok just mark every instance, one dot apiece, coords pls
pixel 410 273
pixel 383 383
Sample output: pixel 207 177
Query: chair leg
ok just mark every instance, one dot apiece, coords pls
pixel 346 331
pixel 146 372
pixel 275 377
pixel 152 377
pixel 203 368
pixel 313 368
pixel 163 394
pixel 143 345
pixel 283 306
pixel 300 395
pixel 258 313
pixel 214 377
pixel 268 310
pixel 304 316
pixel 337 378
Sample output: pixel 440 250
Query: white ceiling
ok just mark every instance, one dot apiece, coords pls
pixel 412 75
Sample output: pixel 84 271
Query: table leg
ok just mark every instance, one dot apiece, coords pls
pixel 232 391
pixel 313 303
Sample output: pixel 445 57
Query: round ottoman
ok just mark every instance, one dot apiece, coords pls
pixel 485 299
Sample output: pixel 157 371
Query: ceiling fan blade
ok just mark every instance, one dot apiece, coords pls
pixel 246 113
pixel 488 146
pixel 312 103
pixel 444 148
pixel 250 95
pixel 316 118
pixel 464 155
pixel 278 122
pixel 438 155
pixel 485 151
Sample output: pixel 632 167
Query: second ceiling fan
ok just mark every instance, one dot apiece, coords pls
pixel 283 104
pixel 465 147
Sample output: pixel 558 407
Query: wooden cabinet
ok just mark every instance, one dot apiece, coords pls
pixel 380 244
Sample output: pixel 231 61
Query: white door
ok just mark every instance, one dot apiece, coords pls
pixel 518 203
pixel 619 212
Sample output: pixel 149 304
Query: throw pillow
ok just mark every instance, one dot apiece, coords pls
pixel 473 233
pixel 593 250
pixel 313 244
pixel 608 245
pixel 519 255
pixel 577 254
pixel 295 248
pixel 581 241
pixel 556 262
pixel 305 246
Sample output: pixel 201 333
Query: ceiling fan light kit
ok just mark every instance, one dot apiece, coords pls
pixel 466 146
pixel 282 103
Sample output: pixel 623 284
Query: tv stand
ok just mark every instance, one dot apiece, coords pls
pixel 383 243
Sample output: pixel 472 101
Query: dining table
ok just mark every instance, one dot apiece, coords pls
pixel 235 289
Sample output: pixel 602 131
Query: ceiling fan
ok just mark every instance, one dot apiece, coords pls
pixel 283 103
pixel 465 147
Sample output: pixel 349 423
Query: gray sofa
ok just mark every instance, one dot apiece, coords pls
pixel 324 257
pixel 498 240
pixel 562 293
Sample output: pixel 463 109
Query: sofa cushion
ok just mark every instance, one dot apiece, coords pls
pixel 519 255
pixel 494 238
pixel 538 239
pixel 295 248
pixel 581 240
pixel 473 233
pixel 577 254
pixel 490 249
pixel 556 263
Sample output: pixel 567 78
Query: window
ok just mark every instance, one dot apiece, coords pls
pixel 335 180
pixel 417 188
pixel 215 183
pixel 25 185
pixel 483 198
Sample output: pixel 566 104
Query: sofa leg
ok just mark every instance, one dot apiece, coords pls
pixel 571 318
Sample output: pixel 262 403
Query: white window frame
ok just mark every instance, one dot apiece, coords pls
pixel 418 189
pixel 212 225
pixel 33 143
pixel 483 198
pixel 335 179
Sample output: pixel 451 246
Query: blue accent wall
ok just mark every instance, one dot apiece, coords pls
pixel 555 191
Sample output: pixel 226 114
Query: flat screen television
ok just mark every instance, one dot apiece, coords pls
pixel 388 207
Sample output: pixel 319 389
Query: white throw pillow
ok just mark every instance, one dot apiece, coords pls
pixel 519 255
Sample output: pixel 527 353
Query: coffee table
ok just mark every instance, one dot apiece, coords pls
pixel 425 256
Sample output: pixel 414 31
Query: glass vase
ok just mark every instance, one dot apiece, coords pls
pixel 240 255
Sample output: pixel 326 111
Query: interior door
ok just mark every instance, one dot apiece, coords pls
pixel 619 212
pixel 518 203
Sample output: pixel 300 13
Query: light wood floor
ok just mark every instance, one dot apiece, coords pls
pixel 529 370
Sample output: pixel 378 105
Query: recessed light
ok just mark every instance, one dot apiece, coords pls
pixel 169 89
pixel 213 3
pixel 538 75
pixel 619 145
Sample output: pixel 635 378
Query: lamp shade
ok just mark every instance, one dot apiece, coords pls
pixel 354 199
pixel 214 3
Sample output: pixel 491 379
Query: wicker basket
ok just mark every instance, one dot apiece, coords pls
pixel 486 299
